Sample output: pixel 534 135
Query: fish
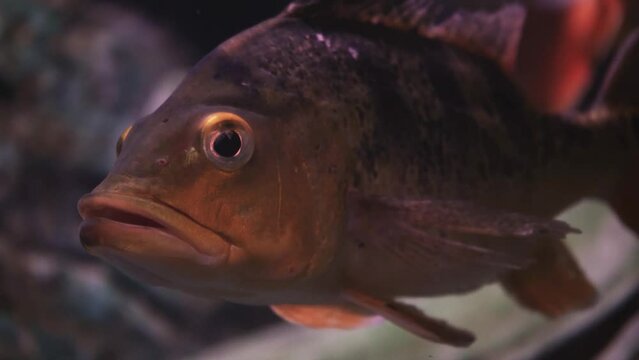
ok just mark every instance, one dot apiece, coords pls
pixel 345 154
pixel 561 43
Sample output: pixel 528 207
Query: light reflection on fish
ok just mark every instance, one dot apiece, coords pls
pixel 561 43
pixel 346 153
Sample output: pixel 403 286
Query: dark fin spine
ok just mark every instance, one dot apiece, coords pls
pixel 412 319
pixel 488 28
pixel 554 285
pixel 618 90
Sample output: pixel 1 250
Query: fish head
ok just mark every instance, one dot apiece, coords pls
pixel 217 199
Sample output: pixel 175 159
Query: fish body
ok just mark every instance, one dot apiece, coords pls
pixel 327 166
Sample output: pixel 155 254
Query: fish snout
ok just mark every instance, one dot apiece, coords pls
pixel 114 219
pixel 151 241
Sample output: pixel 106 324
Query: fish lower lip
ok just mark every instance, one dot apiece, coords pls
pixel 147 253
pixel 131 213
pixel 93 208
pixel 97 233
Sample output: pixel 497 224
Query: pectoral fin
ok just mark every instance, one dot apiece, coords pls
pixel 412 319
pixel 553 285
pixel 325 316
pixel 461 217
pixel 432 247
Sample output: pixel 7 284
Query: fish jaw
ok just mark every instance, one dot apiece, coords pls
pixel 151 241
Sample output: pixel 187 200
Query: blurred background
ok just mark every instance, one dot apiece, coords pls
pixel 73 75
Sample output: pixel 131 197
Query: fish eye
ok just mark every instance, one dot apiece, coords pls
pixel 227 143
pixel 227 140
pixel 122 139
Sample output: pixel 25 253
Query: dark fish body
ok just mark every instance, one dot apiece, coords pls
pixel 386 164
pixel 420 117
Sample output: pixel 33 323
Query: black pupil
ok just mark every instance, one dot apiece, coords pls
pixel 227 143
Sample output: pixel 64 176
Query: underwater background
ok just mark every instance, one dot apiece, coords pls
pixel 73 75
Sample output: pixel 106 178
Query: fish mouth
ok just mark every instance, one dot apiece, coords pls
pixel 150 240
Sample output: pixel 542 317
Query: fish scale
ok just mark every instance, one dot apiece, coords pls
pixel 404 113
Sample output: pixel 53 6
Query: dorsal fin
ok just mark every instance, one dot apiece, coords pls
pixel 490 28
